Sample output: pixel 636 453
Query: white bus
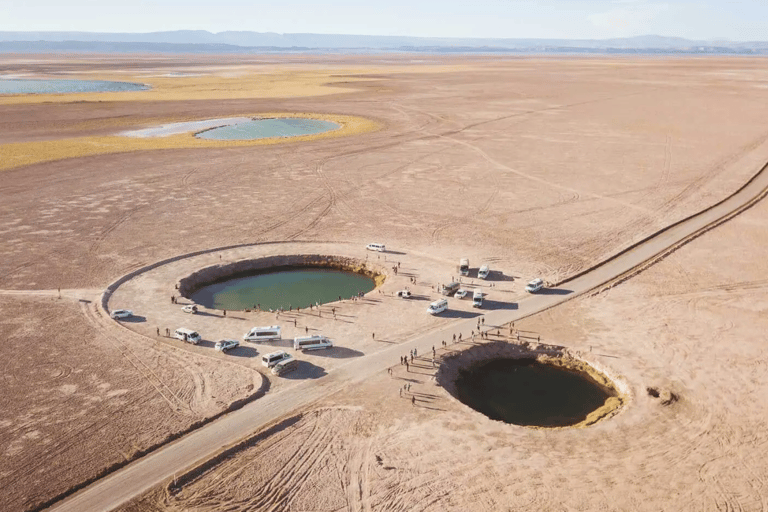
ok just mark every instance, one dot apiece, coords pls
pixel 376 247
pixel 483 272
pixel 315 342
pixel 268 333
pixel 464 267
pixel 437 307
pixel 285 366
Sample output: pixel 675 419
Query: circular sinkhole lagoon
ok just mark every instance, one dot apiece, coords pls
pixel 524 391
pixel 266 128
pixel 34 86
pixel 283 288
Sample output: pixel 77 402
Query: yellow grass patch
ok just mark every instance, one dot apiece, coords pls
pixel 26 153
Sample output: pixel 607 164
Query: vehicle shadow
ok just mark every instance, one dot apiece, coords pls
pixel 338 353
pixel 243 351
pixel 493 305
pixel 306 370
pixel 204 343
pixel 204 313
pixel 418 298
pixel 394 252
pixel 554 291
pixel 498 275
pixel 454 313
pixel 135 319
pixel 272 345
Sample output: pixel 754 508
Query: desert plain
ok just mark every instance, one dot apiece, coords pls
pixel 540 167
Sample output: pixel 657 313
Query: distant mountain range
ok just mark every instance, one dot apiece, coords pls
pixel 201 41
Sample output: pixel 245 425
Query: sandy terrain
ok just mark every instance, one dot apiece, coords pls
pixel 689 325
pixel 540 167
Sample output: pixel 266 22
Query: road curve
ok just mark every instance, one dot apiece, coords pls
pixel 174 458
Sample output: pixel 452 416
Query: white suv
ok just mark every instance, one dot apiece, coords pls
pixel 224 345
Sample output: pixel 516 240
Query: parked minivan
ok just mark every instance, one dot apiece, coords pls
pixel 375 247
pixel 483 272
pixel 268 333
pixel 535 285
pixel 437 307
pixel 477 299
pixel 285 366
pixel 314 342
pixel 187 335
pixel 271 359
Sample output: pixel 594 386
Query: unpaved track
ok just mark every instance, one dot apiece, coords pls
pixel 173 459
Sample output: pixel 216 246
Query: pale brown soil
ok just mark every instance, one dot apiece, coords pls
pixel 689 326
pixel 540 167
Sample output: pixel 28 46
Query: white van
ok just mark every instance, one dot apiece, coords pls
pixel 483 272
pixel 535 285
pixel 271 359
pixel 285 366
pixel 464 267
pixel 437 307
pixel 187 335
pixel 375 247
pixel 477 299
pixel 314 342
pixel 268 333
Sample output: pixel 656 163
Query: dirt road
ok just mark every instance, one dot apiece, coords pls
pixel 174 458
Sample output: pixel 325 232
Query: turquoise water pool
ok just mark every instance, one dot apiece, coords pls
pixel 29 86
pixel 266 128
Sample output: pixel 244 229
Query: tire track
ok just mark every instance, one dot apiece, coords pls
pixel 175 403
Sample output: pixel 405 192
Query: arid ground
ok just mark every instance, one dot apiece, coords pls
pixel 537 166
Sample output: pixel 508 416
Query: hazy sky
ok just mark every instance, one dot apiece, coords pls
pixel 740 20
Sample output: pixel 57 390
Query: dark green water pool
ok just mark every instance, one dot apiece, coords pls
pixel 290 288
pixel 526 392
pixel 265 128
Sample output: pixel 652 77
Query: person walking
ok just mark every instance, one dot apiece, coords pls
pixel 158 331
pixel 413 401
pixel 407 368
pixel 306 329
pixel 373 335
pixel 414 353
pixel 225 312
